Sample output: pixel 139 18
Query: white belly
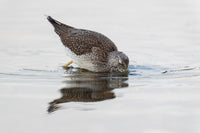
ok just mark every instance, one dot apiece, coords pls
pixel 81 60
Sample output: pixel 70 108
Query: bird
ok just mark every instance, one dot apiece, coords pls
pixel 90 50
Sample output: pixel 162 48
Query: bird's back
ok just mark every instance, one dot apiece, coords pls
pixel 82 41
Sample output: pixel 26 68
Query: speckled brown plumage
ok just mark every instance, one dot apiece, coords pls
pixel 82 41
pixel 86 46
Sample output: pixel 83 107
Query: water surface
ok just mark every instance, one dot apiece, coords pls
pixel 160 94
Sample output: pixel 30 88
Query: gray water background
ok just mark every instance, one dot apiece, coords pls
pixel 159 95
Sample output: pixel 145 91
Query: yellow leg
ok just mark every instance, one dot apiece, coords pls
pixel 68 64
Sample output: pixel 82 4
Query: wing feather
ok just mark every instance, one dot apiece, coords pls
pixel 82 41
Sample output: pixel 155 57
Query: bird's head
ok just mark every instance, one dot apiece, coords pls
pixel 118 61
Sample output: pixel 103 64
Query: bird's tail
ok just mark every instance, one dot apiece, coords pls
pixel 59 27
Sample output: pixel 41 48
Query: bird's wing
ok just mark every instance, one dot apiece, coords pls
pixel 82 41
pixel 59 27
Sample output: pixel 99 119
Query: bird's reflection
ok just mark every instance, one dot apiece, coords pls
pixel 84 86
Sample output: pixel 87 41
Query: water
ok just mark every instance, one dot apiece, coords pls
pixel 160 94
